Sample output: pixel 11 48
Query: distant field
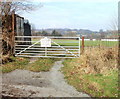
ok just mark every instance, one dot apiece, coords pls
pixel 101 43
pixel 64 42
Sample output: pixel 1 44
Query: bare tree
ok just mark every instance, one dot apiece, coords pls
pixel 114 23
pixel 8 8
pixel 114 26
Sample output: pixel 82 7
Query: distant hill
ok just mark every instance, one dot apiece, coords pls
pixel 66 30
pixel 80 32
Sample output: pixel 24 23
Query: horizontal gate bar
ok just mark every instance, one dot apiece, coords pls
pixel 43 37
pixel 47 51
pixel 45 56
pixel 57 42
pixel 50 50
pixel 48 47
pixel 18 49
pixel 38 48
pixel 39 45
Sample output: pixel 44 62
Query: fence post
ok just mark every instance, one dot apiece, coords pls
pixel 83 44
pixel 13 33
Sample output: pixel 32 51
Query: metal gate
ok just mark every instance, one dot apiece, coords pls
pixel 49 47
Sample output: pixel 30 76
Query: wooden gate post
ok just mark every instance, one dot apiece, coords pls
pixel 13 33
pixel 83 44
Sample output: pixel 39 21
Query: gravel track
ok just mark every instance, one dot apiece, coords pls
pixel 24 83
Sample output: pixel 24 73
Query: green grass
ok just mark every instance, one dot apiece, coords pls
pixel 101 43
pixel 70 42
pixel 96 85
pixel 42 64
pixel 107 84
pixel 18 63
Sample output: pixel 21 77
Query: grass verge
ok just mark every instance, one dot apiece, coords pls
pixel 95 74
pixel 18 63
pixel 42 64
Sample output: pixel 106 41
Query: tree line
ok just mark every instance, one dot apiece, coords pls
pixel 45 33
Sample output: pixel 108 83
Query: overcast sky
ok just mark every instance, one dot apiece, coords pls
pixel 75 14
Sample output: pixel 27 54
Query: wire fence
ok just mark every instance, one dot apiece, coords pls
pixel 102 43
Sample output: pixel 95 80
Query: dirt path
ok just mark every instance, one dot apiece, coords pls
pixel 42 84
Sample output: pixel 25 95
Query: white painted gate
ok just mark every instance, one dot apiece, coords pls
pixel 49 47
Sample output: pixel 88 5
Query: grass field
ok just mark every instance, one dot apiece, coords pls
pixel 71 42
pixel 101 43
